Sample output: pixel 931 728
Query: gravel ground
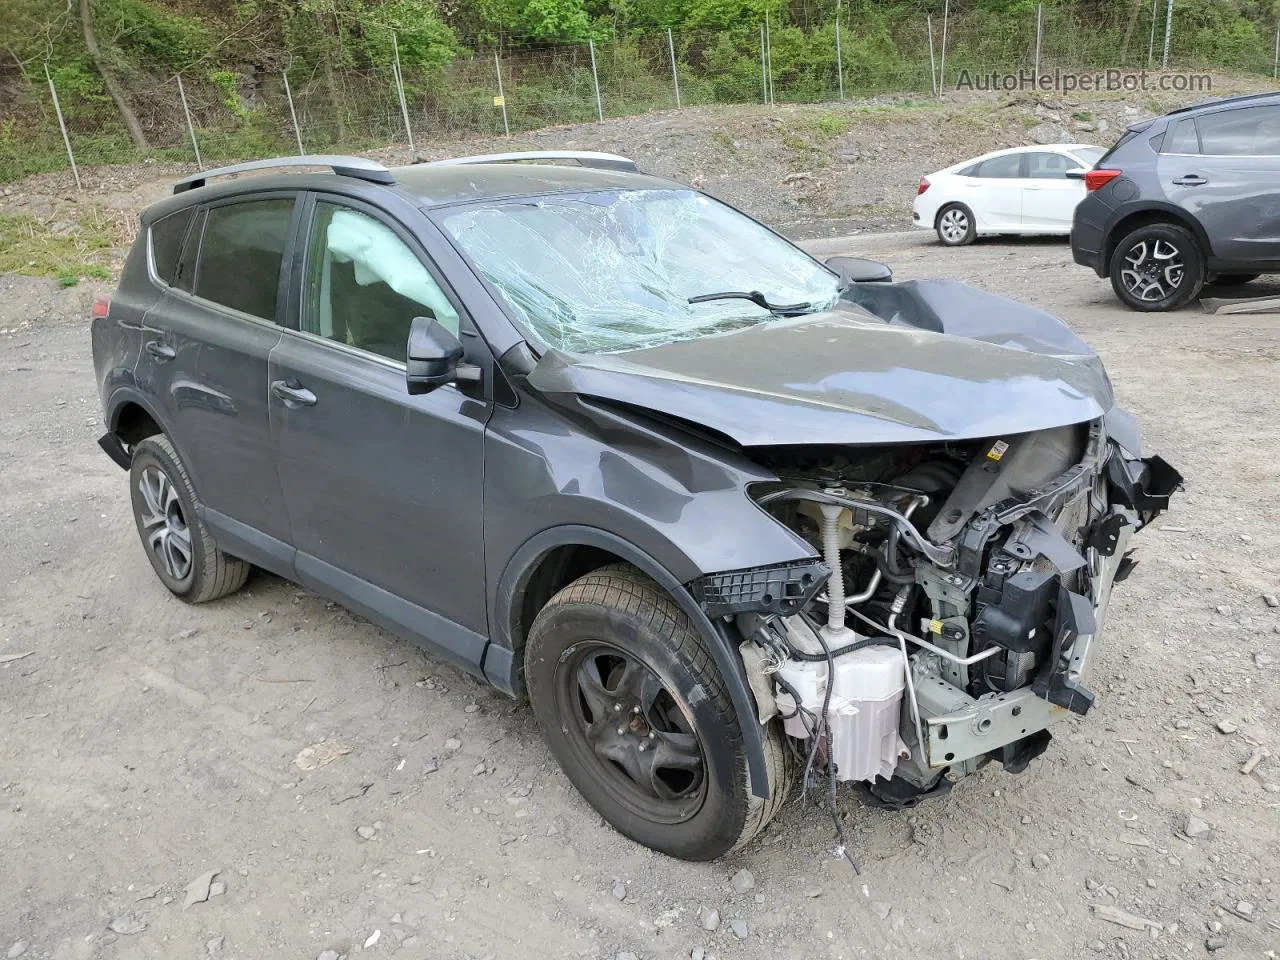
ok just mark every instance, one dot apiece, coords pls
pixel 150 751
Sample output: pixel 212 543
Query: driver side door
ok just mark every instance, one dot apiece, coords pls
pixel 382 489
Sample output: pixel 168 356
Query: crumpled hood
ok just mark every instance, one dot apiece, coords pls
pixel 936 360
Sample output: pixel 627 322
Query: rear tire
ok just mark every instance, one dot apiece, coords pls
pixel 632 705
pixel 955 225
pixel 1157 267
pixel 177 542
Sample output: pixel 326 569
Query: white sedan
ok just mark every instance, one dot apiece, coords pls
pixel 1025 190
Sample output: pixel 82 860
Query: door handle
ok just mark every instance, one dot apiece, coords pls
pixel 161 351
pixel 1190 180
pixel 293 392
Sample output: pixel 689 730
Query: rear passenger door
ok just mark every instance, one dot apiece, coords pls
pixel 206 363
pixel 997 193
pixel 383 488
pixel 1224 169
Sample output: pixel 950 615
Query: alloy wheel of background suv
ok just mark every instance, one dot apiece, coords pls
pixel 1157 267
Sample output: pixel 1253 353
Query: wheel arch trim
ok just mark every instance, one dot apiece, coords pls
pixel 502 664
pixel 1148 213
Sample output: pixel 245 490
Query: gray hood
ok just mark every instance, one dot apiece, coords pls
pixel 937 360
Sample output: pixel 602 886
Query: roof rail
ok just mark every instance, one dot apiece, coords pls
pixel 1223 101
pixel 357 167
pixel 587 158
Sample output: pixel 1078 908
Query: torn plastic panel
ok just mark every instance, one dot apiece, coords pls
pixel 782 589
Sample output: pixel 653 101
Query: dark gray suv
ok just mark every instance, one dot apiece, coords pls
pixel 1189 198
pixel 720 510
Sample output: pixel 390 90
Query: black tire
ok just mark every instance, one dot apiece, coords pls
pixel 615 624
pixel 955 225
pixel 176 540
pixel 1235 279
pixel 1157 267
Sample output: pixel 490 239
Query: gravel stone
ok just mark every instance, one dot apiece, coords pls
pixel 1040 861
pixel 18 949
pixel 366 832
pixel 710 919
pixel 619 890
pixel 739 928
pixel 743 881
pixel 1196 828
pixel 1214 944
pixel 1226 726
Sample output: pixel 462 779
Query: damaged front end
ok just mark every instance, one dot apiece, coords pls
pixel 960 594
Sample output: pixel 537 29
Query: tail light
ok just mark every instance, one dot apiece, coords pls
pixel 101 307
pixel 1097 179
pixel 924 185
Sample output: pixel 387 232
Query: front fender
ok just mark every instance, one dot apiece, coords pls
pixel 502 664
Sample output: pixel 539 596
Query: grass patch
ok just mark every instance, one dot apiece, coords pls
pixel 66 250
pixel 724 139
pixel 1084 116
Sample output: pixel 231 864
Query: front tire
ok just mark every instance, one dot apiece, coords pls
pixel 633 708
pixel 178 543
pixel 955 225
pixel 1157 267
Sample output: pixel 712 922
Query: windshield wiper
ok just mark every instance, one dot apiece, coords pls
pixel 759 299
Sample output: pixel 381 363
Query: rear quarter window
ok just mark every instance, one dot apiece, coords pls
pixel 167 237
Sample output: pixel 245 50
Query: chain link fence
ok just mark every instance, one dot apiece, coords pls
pixel 218 115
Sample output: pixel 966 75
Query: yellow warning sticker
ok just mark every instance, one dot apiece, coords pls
pixel 499 101
pixel 997 450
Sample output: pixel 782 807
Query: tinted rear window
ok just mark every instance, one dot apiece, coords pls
pixel 167 236
pixel 1002 168
pixel 1181 138
pixel 240 257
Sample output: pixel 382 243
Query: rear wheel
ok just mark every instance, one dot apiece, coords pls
pixel 632 705
pixel 955 225
pixel 178 543
pixel 1157 267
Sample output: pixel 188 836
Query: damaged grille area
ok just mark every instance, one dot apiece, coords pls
pixel 967 584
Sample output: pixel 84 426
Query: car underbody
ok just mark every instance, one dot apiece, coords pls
pixel 959 593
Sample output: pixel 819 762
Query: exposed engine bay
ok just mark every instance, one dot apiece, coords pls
pixel 960 590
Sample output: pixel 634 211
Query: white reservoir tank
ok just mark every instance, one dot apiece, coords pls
pixel 866 706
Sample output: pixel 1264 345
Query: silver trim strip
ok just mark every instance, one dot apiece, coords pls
pixel 587 158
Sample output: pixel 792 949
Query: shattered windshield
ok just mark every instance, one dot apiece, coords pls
pixel 614 270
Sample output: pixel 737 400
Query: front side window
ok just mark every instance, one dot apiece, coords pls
pixel 1049 166
pixel 167 237
pixel 1002 168
pixel 614 270
pixel 1088 156
pixel 241 254
pixel 1246 132
pixel 364 285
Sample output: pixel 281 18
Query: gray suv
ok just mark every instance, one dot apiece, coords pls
pixel 1189 198
pixel 721 511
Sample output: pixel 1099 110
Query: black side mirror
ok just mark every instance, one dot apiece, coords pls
pixel 433 356
pixel 859 270
pixel 1076 173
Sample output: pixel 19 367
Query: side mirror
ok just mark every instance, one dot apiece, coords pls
pixel 1076 174
pixel 859 270
pixel 433 356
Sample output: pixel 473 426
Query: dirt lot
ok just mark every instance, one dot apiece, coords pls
pixel 144 743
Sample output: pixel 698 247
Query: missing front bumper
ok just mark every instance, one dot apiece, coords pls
pixel 959 728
